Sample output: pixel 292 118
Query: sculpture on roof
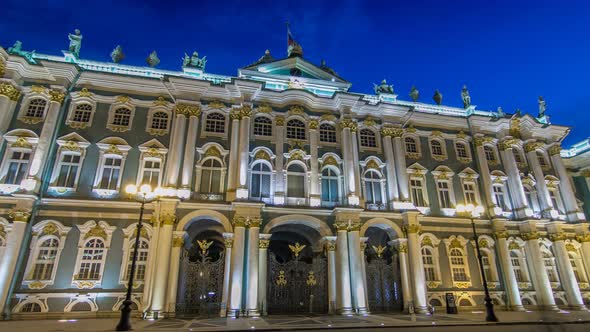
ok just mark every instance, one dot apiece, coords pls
pixel 466 97
pixel 17 49
pixel 324 67
pixel 153 60
pixel 194 61
pixel 518 113
pixel 383 87
pixel 438 97
pixel 501 113
pixel 75 42
pixel 117 54
pixel 542 107
pixel 414 94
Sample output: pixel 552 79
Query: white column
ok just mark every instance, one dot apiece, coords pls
pixel 151 266
pixel 279 195
pixel 519 200
pixel 188 162
pixel 252 268
pixel 237 268
pixel 314 188
pixel 510 283
pixel 542 191
pixel 352 191
pixel 567 192
pixel 564 267
pixel 9 95
pixel 357 165
pixel 45 138
pixel 262 272
pixel 14 240
pixel 364 269
pixel 233 156
pixel 485 175
pixel 392 186
pixel 229 242
pixel 244 148
pixel 344 297
pixel 539 273
pixel 331 253
pixel 400 166
pixel 416 265
pixel 177 245
pixel 162 265
pixel 176 146
pixel 402 247
pixel 356 268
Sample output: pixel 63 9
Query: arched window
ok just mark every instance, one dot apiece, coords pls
pixel 411 145
pixel 458 266
pixel 36 108
pixel 428 261
pixel 436 148
pixel 18 164
pixel 330 191
pixel 262 126
pixel 327 133
pixel 45 259
pixel 31 307
pixel 295 129
pixel 141 263
pixel 549 262
pixel 260 181
pixel 160 120
pixel 373 187
pixel 368 139
pixel 82 113
pixel 296 180
pixel 215 123
pixel 92 260
pixel 461 150
pixel 490 153
pixel 122 117
pixel 211 176
pixel 518 267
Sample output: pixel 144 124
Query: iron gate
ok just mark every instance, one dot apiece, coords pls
pixel 383 286
pixel 201 285
pixel 297 286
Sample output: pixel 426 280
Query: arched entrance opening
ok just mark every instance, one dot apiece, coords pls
pixel 202 262
pixel 384 292
pixel 297 276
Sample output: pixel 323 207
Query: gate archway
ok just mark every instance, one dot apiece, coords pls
pixel 297 271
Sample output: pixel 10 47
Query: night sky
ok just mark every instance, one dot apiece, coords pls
pixel 508 54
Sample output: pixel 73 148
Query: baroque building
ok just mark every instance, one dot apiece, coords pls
pixel 278 190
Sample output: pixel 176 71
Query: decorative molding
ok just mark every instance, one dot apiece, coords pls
pixel 263 243
pixel 561 236
pixel 19 215
pixel 530 236
pixel 261 154
pixel 313 124
pixel 532 146
pixel 10 91
pixel 412 228
pixel 554 150
pixel 280 120
pixel 188 109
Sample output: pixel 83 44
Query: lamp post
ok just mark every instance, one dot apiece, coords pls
pixel 474 212
pixel 142 194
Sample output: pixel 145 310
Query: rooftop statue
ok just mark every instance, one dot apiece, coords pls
pixel 324 66
pixel 75 42
pixel 153 60
pixel 438 97
pixel 17 49
pixel 383 87
pixel 466 97
pixel 117 54
pixel 501 113
pixel 194 61
pixel 414 94
pixel 542 107
pixel 518 113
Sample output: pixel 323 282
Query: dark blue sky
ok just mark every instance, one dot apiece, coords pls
pixel 508 54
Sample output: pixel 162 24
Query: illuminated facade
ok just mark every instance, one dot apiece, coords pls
pixel 279 191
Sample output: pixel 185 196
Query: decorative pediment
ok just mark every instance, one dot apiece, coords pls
pixel 294 66
pixel 468 173
pixel 442 173
pixel 417 169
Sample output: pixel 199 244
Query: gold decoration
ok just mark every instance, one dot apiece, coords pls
pixel 379 250
pixel 96 231
pixel 372 164
pixel 514 130
pixel 436 133
pixel 506 144
pixel 123 99
pixel 280 120
pixel 213 152
pixel 204 246
pixel 348 123
pixel 50 228
pixel 188 109
pixel 413 155
pixel 8 90
pixel 583 285
pixel 411 129
pixel 81 284
pixel 513 246
pixel 263 244
pixel 583 238
pixel 153 152
pixel 38 89
pixel 161 101
pixel 253 222
pixel 433 284
pixel 561 236
pixel 554 150
pixel 30 119
pixel 2 68
pixel 483 243
pixel 297 248
pixel 297 155
pixel 21 142
pixel 455 243
pixel 239 221
pixel 369 122
pixel 313 124
pixel 412 228
pixel 524 285
pixel 37 285
pixel 264 109
pixel 216 104
pixel 331 246
pixel 113 149
pixel 178 242
pixel 229 243
pixel 311 280
pixel 570 247
pixel 281 279
pixel 85 93
pixel 462 284
pixel 501 234
pixel 427 241
pixel 387 131
pixel 2 231
pixel 235 115
pixel 246 111
pixel 261 154
pixel 354 226
pixel 530 236
pixel 341 225
pixel 403 248
pixel 532 146
pixel 168 219
pixel 72 146
pixel 19 215
pixel 329 161
pixel 461 135
pixel 297 110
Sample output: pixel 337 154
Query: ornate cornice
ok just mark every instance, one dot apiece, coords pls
pixel 10 91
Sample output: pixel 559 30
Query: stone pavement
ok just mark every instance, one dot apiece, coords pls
pixel 525 321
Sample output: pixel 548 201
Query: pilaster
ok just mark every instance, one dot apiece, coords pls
pixel 392 186
pixel 567 192
pixel 519 200
pixel 401 245
pixel 176 148
pixel 510 282
pixel 330 244
pixel 232 170
pixel 314 189
pixel 547 208
pixel 188 163
pixel 411 227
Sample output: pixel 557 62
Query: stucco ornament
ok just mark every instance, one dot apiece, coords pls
pixel 75 42
pixel 117 54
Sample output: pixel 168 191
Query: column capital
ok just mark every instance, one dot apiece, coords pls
pixel 555 149
pixel 263 244
pixel 168 219
pixel 177 242
pixel 348 123
pixel 583 237
pixel 188 109
pixel 480 140
pixel 9 90
pixel 560 236
pixel 245 111
pixel 313 124
pixel 507 144
pixel 280 120
pixel 18 215
pixel 56 96
pixel 532 146
pixel 330 242
pixel 530 236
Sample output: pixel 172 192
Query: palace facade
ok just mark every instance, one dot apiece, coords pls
pixel 278 190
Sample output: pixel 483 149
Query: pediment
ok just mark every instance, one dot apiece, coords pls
pixel 296 67
pixel 75 137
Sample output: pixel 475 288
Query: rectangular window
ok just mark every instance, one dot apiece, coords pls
pixel 469 191
pixel 17 167
pixel 499 196
pixel 68 171
pixel 296 185
pixel 110 174
pixel 417 192
pixel 444 194
pixel 151 173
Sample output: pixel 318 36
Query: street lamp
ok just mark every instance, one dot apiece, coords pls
pixel 474 212
pixel 141 195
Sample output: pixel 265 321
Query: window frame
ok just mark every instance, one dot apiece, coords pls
pixel 265 127
pixel 78 100
pixel 333 130
pixel 112 147
pixel 458 244
pixel 338 178
pixel 269 173
pixel 467 146
pixel 379 181
pixel 25 104
pixel 119 104
pixel 128 241
pixel 294 200
pixel 365 133
pixel 149 126
pixel 92 230
pixel 297 129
